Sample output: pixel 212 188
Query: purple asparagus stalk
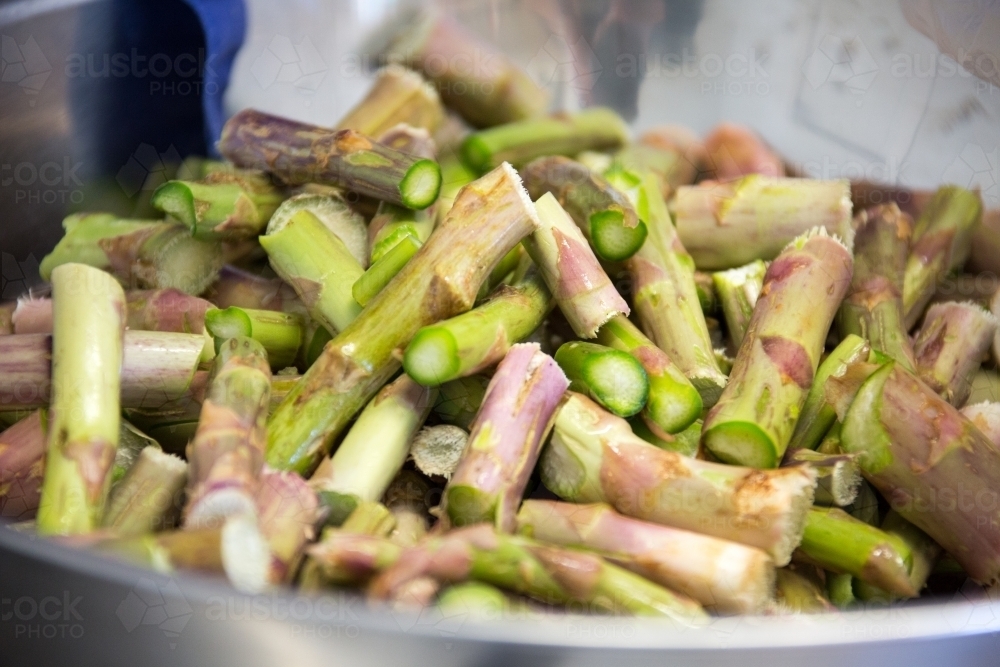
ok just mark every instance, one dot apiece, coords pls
pixel 505 439
pixel 227 452
pixel 287 511
pixel 950 347
pixel 22 466
pixel 236 287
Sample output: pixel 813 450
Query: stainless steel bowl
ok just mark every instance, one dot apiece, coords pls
pixel 841 90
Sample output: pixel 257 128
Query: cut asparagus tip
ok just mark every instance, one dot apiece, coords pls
pixel 431 358
pixel 176 200
pixel 421 185
pixel 611 239
pixel 741 443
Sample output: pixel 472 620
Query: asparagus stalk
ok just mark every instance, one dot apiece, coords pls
pixel 489 217
pixel 594 457
pixel 950 346
pixel 720 222
pixel 236 287
pixel 405 138
pixel 228 206
pixel 546 573
pixel 166 310
pixel 336 215
pixel 734 151
pixel 615 379
pixel 942 238
pixel 798 591
pixel 146 254
pixel 392 224
pixel 344 558
pixel 580 286
pixel 836 541
pixel 776 364
pixel 665 294
pixel 838 475
pixel 986 417
pixel 873 308
pixel 236 548
pixel 818 413
pixel 738 291
pixel 437 450
pixel 370 518
pixel 383 270
pixel 491 92
pixel 88 324
pixel 398 95
pixel 924 552
pixel 302 153
pixel 317 264
pixel 374 450
pixel 673 403
pixel 708 297
pixel 605 216
pixel 686 442
pixel 473 341
pixel 673 159
pixel 287 510
pixel 505 439
pixel 148 496
pixel 921 453
pixel 724 576
pixel 597 128
pixel 459 400
pixel 454 176
pixel 22 466
pixel 280 334
pixel 226 454
pixel 511 267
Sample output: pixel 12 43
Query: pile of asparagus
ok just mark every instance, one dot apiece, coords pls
pixel 453 351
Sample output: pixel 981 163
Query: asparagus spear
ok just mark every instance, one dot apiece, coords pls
pixel 818 413
pixel 478 339
pixel 605 216
pixel 392 224
pixel 374 450
pixel 88 324
pixel 834 540
pixel 459 400
pixel 615 379
pixel 236 548
pixel 383 270
pixel 344 558
pixel 665 294
pixel 228 206
pixel 543 572
pixel 799 591
pixel 22 466
pixel 734 151
pixel 280 334
pixel 838 475
pixel 873 307
pixel 986 417
pixel 931 463
pixel 776 364
pixel 491 92
pixel 236 287
pixel 398 95
pixel 505 439
pixel 738 291
pixel 302 153
pixel 950 346
pixel 594 457
pixel 725 576
pixel 166 310
pixel 673 403
pixel 287 510
pixel 489 217
pixel 580 286
pixel 318 265
pixel 720 222
pixel 148 496
pixel 437 450
pixel 924 551
pixel 942 237
pixel 226 454
pixel 141 253
pixel 520 142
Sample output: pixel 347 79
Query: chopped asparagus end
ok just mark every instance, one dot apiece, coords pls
pixel 338 506
pixel 227 323
pixel 741 443
pixel 479 600
pixel 421 185
pixel 384 269
pixel 613 378
pixel 246 556
pixel 611 239
pixel 468 505
pixel 176 199
pixel 476 154
pixel 431 358
pixel 436 450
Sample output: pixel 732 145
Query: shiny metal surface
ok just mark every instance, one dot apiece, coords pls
pixel 71 141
